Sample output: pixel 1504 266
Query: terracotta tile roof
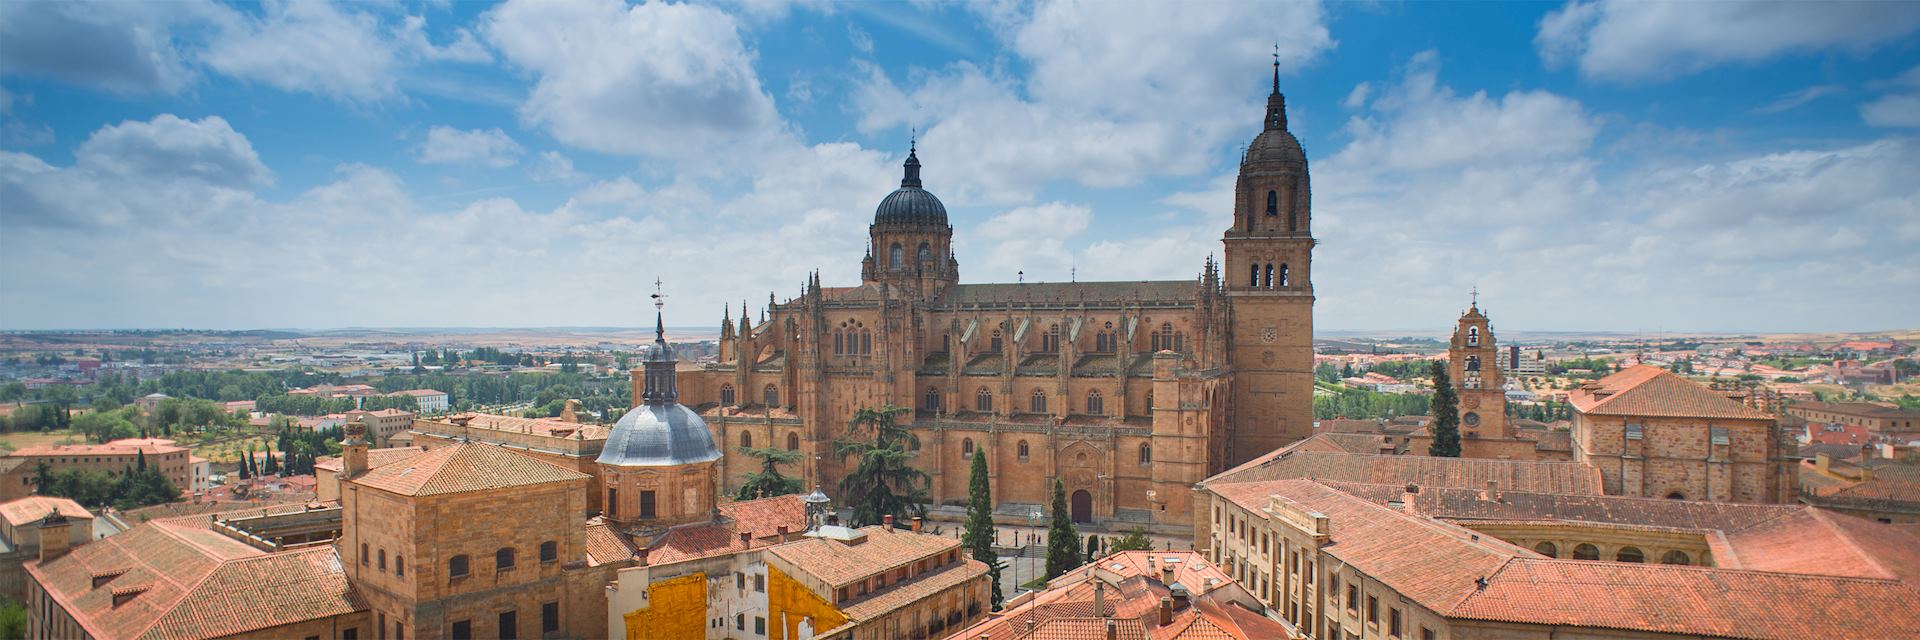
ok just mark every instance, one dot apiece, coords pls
pixel 1858 409
pixel 838 563
pixel 1304 460
pixel 1064 610
pixel 1472 504
pixel 763 517
pixel 110 449
pixel 464 467
pixel 33 509
pixel 1191 569
pixel 1647 390
pixel 376 458
pixel 418 393
pixel 189 582
pixel 544 426
pixel 604 545
pixel 915 589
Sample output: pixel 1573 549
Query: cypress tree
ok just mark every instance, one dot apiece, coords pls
pixel 1093 547
pixel 245 471
pixel 1446 415
pixel 1063 543
pixel 980 533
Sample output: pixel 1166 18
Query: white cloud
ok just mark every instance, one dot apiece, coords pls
pixel 412 33
pixel 1893 111
pixel 1794 99
pixel 1097 108
pixel 488 147
pixel 658 79
pixel 206 150
pixel 553 166
pixel 1623 40
pixel 123 47
pixel 861 41
pixel 1358 97
pixel 310 47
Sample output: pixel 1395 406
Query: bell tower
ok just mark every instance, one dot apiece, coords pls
pixel 1269 253
pixel 1473 361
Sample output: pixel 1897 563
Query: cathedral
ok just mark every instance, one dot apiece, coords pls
pixel 1129 392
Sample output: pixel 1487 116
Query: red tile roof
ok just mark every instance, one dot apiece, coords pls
pixel 1131 602
pixel 838 563
pixel 1647 390
pixel 1308 460
pixel 464 467
pixel 376 458
pixel 33 509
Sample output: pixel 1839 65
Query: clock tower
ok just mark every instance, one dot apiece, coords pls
pixel 1473 361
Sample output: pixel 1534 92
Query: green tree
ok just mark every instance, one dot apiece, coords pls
pixel 1135 540
pixel 769 482
pixel 1063 543
pixel 882 482
pixel 1446 415
pixel 1093 547
pixel 245 464
pixel 979 535
pixel 13 621
pixel 13 392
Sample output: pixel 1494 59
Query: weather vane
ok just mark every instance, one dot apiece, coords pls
pixel 659 298
pixel 1476 296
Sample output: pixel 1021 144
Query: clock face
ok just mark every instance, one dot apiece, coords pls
pixel 1472 419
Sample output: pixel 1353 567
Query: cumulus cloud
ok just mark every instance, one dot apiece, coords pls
pixel 308 47
pixel 658 79
pixel 412 33
pixel 1097 108
pixel 122 47
pixel 484 147
pixel 1622 40
pixel 553 166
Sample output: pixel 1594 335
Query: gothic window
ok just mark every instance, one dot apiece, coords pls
pixel 1473 336
pixel 946 342
pixel 399 565
pixel 1630 554
pixel 899 256
pixel 383 560
pixel 925 256
pixel 966 447
pixel 457 566
pixel 1254 280
pixel 1149 401
pixel 726 395
pixel 983 401
pixel 793 442
pixel 932 400
pixel 1163 339
pixel 1676 557
pixel 1283 275
pixel 1105 342
pixel 1273 203
pixel 1179 342
pixel 839 342
pixel 1023 449
pixel 503 559
pixel 994 342
pixel 746 440
pixel 1584 551
pixel 1096 405
pixel 1547 549
pixel 1039 404
pixel 1050 341
pixel 1146 454
pixel 866 342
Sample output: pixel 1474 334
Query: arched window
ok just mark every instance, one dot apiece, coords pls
pixel 399 565
pixel 1273 203
pixel 1473 336
pixel 983 401
pixel 899 257
pixel 1584 551
pixel 1146 454
pixel 1630 554
pixel 994 343
pixel 1050 341
pixel 1096 405
pixel 503 559
pixel 932 400
pixel 1023 450
pixel 746 440
pixel 772 394
pixel 1163 339
pixel 726 394
pixel 966 447
pixel 549 551
pixel 382 562
pixel 1254 280
pixel 1149 402
pixel 365 556
pixel 457 566
pixel 1283 275
pixel 1039 402
pixel 1676 496
pixel 1269 280
pixel 1547 549
pixel 1676 557
pixel 866 342
pixel 924 256
pixel 1473 363
pixel 793 442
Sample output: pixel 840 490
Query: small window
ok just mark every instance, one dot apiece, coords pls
pixel 1039 403
pixel 726 395
pixel 549 551
pixel 503 559
pixel 759 625
pixel 509 625
pixel 746 440
pixel 1584 551
pixel 1676 557
pixel 399 565
pixel 1547 549
pixel 1096 405
pixel 983 401
pixel 1146 454
pixel 760 582
pixel 793 442
pixel 740 622
pixel 772 394
pixel 898 256
pixel 1630 554
pixel 1023 450
pixel 1273 203
pixel 966 447
pixel 457 566
pixel 1373 609
pixel 646 505
pixel 352 633
pixel 382 562
pixel 462 630
pixel 1393 623
pixel 550 617
pixel 994 343
pixel 365 556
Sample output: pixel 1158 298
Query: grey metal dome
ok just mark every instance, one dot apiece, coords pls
pixel 659 435
pixel 911 204
pixel 1275 145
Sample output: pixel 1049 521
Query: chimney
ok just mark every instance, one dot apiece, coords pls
pixel 888 519
pixel 916 524
pixel 783 533
pixel 53 536
pixel 353 452
pixel 1166 611
pixel 1179 596
pixel 1100 601
pixel 1166 574
pixel 640 557
pixel 746 539
pixel 1113 630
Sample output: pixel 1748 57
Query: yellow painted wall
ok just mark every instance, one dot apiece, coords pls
pixel 789 602
pixel 676 609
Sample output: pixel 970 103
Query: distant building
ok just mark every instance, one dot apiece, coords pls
pixel 382 425
pixel 428 400
pixel 1165 595
pixel 150 401
pixel 874 582
pixel 1881 490
pixel 1877 419
pixel 114 457
pixel 1652 433
pixel 21 532
pixel 1526 362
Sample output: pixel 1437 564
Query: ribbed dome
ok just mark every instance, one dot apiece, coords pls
pixel 659 435
pixel 1275 145
pixel 911 204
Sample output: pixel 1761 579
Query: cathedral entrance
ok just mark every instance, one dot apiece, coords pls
pixel 1082 506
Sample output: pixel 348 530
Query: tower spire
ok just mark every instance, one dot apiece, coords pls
pixel 1276 68
pixel 912 177
pixel 1276 103
pixel 658 357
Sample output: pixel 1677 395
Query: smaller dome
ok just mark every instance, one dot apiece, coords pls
pixel 911 204
pixel 1275 145
pixel 659 435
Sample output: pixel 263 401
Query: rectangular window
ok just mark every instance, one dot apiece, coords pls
pixel 550 617
pixel 760 583
pixel 1353 598
pixel 759 626
pixel 646 505
pixel 1393 622
pixel 740 581
pixel 1373 610
pixel 350 634
pixel 1426 634
pixel 399 632
pixel 462 630
pixel 509 625
pixel 380 625
pixel 613 503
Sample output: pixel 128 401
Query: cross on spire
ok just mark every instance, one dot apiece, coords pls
pixel 659 310
pixel 1476 296
pixel 1276 67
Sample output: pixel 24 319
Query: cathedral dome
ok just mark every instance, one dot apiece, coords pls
pixel 910 204
pixel 1275 145
pixel 659 435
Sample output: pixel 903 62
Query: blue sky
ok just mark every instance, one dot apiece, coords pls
pixel 1592 165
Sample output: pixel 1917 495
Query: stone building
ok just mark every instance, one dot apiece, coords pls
pixel 384 424
pixel 20 531
pixel 1478 370
pixel 112 458
pixel 560 441
pixel 1128 392
pixel 873 583
pixel 1652 433
pixel 659 461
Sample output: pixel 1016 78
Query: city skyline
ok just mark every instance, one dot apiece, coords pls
pixel 449 165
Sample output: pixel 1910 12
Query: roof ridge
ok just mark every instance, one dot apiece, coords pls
pixel 1847 536
pixel 1649 566
pixel 1454 608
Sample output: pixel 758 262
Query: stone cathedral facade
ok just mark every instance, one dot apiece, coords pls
pixel 1128 392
